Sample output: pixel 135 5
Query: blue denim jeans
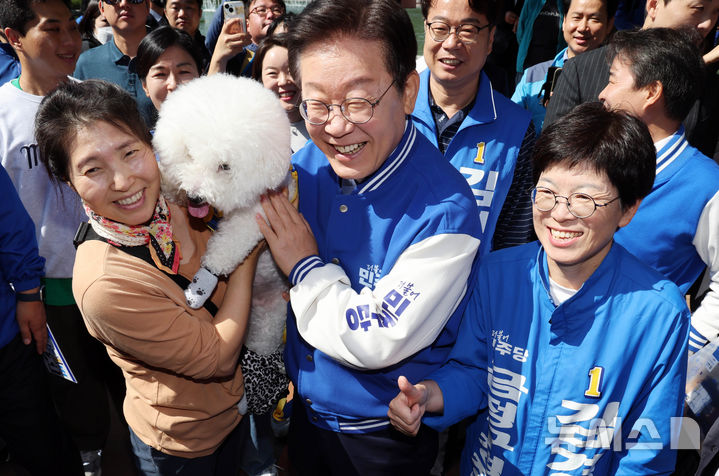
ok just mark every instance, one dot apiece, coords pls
pixel 225 461
pixel 258 451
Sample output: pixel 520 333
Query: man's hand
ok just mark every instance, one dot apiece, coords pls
pixel 287 232
pixel 31 319
pixel 408 407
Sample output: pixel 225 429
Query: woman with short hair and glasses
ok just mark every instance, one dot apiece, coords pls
pixel 574 348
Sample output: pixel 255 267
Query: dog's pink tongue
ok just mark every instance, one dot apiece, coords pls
pixel 199 211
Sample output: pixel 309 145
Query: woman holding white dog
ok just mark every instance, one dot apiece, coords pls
pixel 180 364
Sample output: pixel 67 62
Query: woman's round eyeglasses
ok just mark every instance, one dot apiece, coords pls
pixel 580 205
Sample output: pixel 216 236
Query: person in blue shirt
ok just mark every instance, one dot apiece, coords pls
pixel 381 251
pixel 576 349
pixel 113 61
pixel 585 26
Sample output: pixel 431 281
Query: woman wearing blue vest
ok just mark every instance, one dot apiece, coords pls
pixel 575 348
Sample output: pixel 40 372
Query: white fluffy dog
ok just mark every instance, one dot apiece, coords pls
pixel 222 141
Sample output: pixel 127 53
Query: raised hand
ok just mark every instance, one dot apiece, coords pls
pixel 408 407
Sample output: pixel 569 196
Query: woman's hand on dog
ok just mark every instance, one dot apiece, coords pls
pixel 228 45
pixel 288 234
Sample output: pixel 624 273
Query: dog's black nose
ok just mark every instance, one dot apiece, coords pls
pixel 196 200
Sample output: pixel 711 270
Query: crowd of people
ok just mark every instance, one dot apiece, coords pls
pixel 523 278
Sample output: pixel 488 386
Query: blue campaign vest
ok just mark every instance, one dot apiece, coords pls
pixel 484 150
pixel 661 232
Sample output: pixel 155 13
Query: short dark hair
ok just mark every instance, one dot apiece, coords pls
pixel 266 45
pixel 198 2
pixel 75 105
pixel 488 8
pixel 610 142
pixel 155 43
pixel 383 21
pixel 667 55
pixel 609 5
pixel 286 18
pixel 16 14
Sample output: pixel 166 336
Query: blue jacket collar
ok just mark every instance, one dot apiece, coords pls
pixel 395 160
pixel 598 285
pixel 669 154
pixel 484 110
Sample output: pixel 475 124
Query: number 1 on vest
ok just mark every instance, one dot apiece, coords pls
pixel 595 380
pixel 480 153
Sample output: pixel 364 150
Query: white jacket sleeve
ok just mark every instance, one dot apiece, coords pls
pixel 705 320
pixel 404 313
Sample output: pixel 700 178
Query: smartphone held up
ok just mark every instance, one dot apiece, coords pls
pixel 235 9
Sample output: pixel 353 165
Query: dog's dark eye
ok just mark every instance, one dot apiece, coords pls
pixel 223 167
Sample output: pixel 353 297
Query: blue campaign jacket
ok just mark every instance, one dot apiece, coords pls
pixel 385 296
pixel 484 150
pixel 20 264
pixel 662 231
pixel 614 354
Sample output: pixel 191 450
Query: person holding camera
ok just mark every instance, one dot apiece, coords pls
pixel 233 40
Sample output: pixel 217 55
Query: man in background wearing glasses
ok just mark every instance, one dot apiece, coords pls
pixel 381 251
pixel 233 51
pixel 483 134
pixel 111 61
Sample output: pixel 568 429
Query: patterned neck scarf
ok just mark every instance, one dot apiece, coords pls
pixel 158 233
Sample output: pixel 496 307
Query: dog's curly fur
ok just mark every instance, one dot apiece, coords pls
pixel 223 141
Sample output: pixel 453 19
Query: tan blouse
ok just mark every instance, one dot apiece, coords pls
pixel 167 351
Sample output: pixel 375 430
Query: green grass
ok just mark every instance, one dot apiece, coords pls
pixel 415 14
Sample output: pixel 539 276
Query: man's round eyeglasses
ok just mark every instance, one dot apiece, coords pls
pixel 467 33
pixel 263 10
pixel 355 110
pixel 580 205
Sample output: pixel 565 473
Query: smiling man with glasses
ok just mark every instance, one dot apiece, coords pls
pixel 382 252
pixel 480 132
